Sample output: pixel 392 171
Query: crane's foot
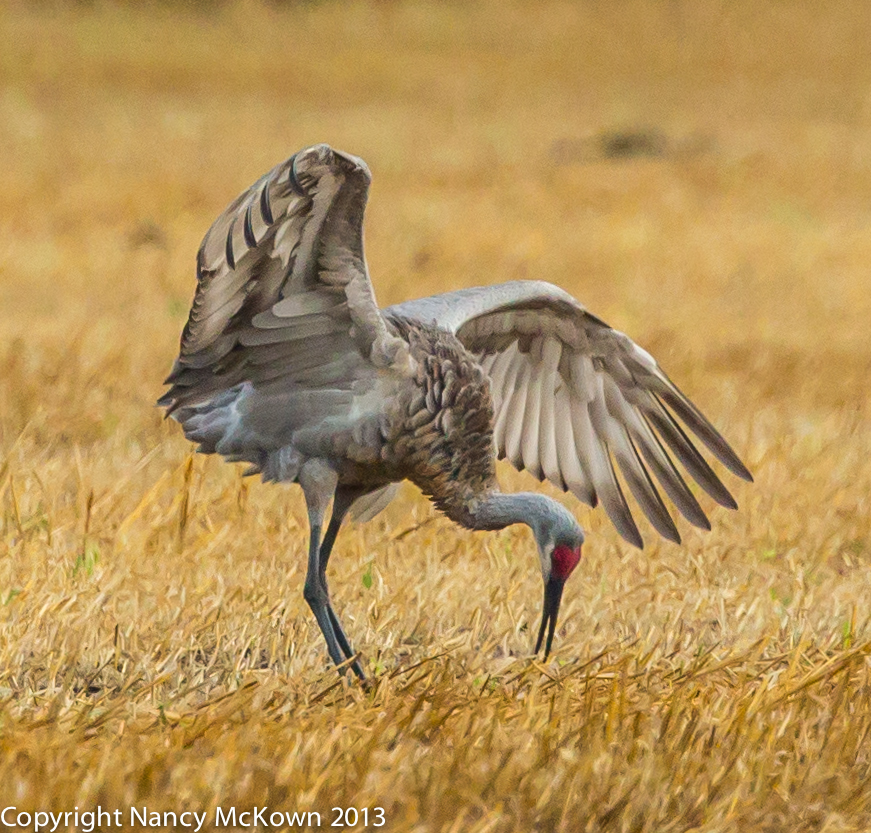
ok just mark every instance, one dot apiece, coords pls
pixel 345 645
pixel 337 643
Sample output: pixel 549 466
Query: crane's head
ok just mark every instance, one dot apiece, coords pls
pixel 559 540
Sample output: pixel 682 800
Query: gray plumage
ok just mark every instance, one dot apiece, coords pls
pixel 287 362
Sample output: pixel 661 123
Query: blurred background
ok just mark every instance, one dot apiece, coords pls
pixel 696 172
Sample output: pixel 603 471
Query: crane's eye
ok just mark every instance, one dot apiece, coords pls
pixel 563 560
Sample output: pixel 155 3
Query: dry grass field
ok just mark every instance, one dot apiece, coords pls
pixel 155 648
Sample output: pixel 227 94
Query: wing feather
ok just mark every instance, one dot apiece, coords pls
pixel 529 437
pixel 516 414
pixel 591 456
pixel 597 473
pixel 572 474
pixel 504 393
pixel 505 374
pixel 547 452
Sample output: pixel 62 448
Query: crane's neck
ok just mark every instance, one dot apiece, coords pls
pixel 496 510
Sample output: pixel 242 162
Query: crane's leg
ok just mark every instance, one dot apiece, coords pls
pixel 319 484
pixel 341 503
pixel 317 597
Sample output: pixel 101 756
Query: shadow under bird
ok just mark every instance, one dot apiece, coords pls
pixel 288 363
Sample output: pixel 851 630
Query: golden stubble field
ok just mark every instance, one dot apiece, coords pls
pixel 155 648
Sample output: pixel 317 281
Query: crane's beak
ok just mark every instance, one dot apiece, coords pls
pixel 553 594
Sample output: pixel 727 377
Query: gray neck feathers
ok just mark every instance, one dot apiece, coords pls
pixel 545 516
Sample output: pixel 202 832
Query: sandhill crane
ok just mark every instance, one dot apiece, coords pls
pixel 287 362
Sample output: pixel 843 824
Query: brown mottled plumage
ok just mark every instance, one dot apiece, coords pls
pixel 287 362
pixel 441 436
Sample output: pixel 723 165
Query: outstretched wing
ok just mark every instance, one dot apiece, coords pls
pixel 283 296
pixel 573 397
